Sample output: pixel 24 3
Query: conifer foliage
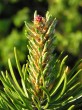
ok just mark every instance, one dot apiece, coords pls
pixel 46 83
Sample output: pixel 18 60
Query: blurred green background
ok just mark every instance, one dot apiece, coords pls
pixel 13 13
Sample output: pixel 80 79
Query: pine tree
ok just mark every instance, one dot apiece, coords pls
pixel 46 83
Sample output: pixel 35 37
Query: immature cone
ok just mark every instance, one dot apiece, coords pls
pixel 41 46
